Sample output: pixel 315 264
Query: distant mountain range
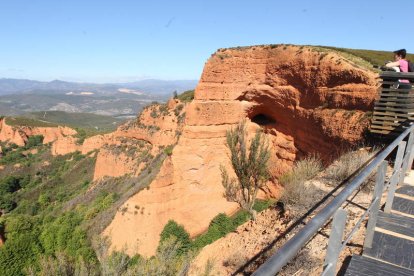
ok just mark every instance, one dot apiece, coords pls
pixel 150 86
pixel 20 96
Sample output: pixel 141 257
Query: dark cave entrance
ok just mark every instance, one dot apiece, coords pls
pixel 263 120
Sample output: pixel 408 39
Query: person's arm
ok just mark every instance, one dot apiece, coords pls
pixel 393 64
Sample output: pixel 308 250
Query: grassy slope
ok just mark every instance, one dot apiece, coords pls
pixel 91 123
pixel 374 57
pixel 362 57
pixel 81 120
pixel 53 212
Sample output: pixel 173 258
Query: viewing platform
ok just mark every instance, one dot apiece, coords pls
pixel 394 109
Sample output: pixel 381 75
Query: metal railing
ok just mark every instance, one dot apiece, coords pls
pixel 403 161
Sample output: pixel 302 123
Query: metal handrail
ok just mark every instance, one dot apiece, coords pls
pixel 291 248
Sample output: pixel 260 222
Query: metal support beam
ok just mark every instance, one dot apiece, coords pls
pixel 396 176
pixel 408 156
pixel 410 160
pixel 335 243
pixel 376 200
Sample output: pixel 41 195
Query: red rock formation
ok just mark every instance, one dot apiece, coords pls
pixel 305 100
pixel 10 134
pixel 157 125
pixel 20 134
pixel 65 145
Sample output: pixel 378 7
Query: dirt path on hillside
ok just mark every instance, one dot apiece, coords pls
pixel 240 252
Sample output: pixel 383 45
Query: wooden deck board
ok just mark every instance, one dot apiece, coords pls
pixel 396 223
pixel 403 205
pixel 392 250
pixel 406 190
pixel 364 266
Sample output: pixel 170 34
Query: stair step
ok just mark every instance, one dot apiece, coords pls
pixel 391 249
pixel 400 225
pixel 365 266
pixel 403 205
pixel 406 190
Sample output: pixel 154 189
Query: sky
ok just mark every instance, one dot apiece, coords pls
pixel 128 40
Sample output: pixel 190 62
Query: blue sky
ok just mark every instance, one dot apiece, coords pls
pixel 126 40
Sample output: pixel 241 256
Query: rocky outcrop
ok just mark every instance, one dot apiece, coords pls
pixel 65 145
pixel 10 134
pixel 127 149
pixel 19 134
pixel 306 100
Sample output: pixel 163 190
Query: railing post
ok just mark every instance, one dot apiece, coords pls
pixel 376 200
pixel 396 176
pixel 410 161
pixel 410 155
pixel 335 242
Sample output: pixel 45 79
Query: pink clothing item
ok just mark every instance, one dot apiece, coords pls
pixel 403 65
pixel 403 68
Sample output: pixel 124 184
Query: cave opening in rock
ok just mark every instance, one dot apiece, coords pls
pixel 263 120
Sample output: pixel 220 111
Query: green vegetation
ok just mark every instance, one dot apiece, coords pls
pixel 361 57
pixel 34 221
pixel 249 164
pixel 34 141
pixel 374 57
pixel 219 227
pixel 8 186
pixel 29 122
pixel 12 154
pixel 101 123
pixel 50 216
pixel 186 96
pixel 89 123
pixel 168 150
pixel 172 229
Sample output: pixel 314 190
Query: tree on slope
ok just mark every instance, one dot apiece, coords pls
pixel 250 165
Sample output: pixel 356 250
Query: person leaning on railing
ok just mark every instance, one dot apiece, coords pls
pixel 400 64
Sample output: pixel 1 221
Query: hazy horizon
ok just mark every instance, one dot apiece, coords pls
pixel 97 82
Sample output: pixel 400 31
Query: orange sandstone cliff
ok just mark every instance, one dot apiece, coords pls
pixel 305 99
pixel 19 134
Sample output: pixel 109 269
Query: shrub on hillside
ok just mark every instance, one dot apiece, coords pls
pixel 12 157
pixel 7 203
pixel 173 229
pixel 18 253
pixel 34 141
pixel 186 96
pixel 21 247
pixel 250 163
pixel 168 261
pixel 347 164
pixel 220 226
pixel 80 135
pixel 169 150
pixel 10 184
pixel 295 191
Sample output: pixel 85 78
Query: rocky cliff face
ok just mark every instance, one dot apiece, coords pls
pixel 305 100
pixel 19 134
pixel 123 151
